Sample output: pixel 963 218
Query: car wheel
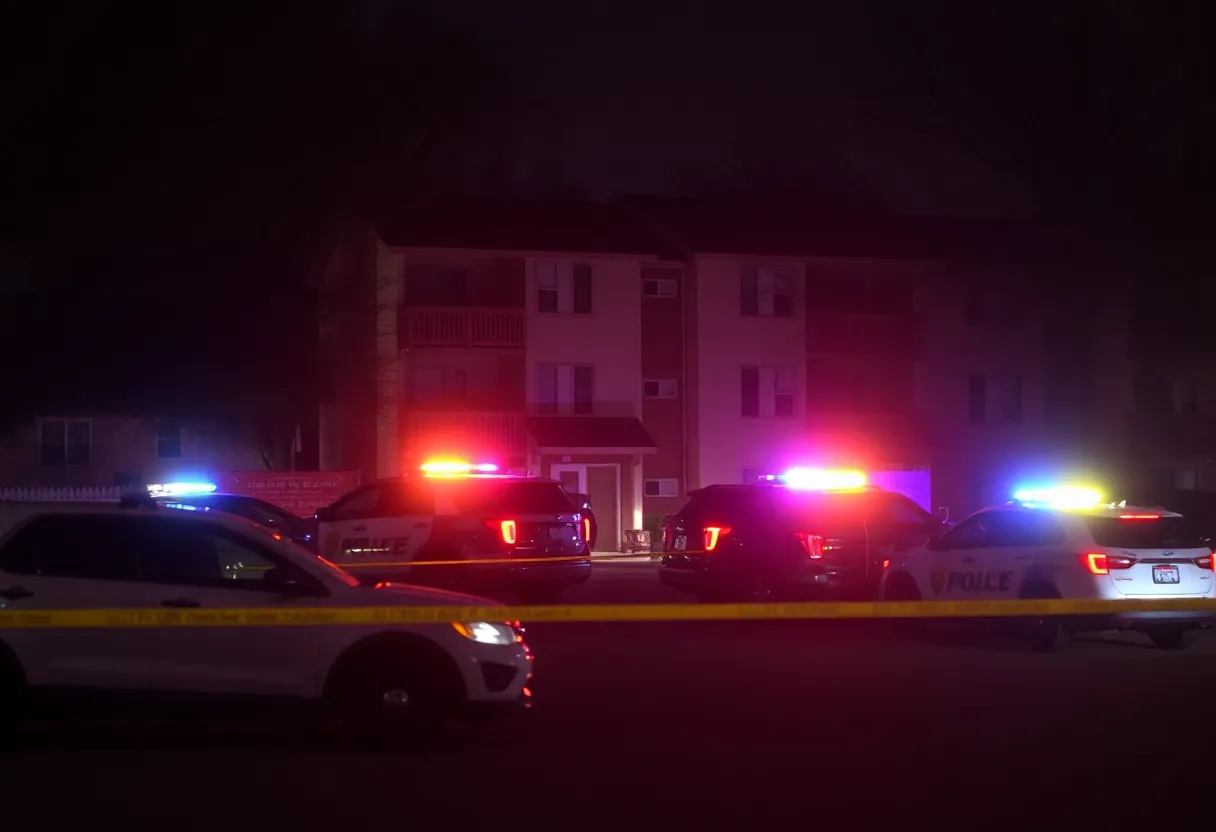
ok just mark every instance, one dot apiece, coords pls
pixel 394 700
pixel 1174 638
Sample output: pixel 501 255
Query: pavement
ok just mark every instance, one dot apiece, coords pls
pixel 723 723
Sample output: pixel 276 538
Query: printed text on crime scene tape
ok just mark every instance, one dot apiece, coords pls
pixel 387 616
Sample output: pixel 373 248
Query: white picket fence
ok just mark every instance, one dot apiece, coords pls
pixel 100 492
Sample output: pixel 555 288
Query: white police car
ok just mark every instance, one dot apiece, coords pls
pixel 461 526
pixel 392 681
pixel 1065 543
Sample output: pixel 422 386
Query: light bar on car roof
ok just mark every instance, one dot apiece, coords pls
pixel 1062 497
pixel 445 467
pixel 180 489
pixel 821 479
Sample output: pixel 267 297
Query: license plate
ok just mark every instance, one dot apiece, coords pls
pixel 680 543
pixel 1165 575
pixel 561 533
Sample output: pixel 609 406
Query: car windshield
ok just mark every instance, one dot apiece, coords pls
pixel 300 552
pixel 1162 533
pixel 487 496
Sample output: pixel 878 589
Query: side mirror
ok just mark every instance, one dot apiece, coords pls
pixel 287 583
pixel 943 514
pixel 323 515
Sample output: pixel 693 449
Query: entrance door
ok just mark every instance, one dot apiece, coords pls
pixel 603 487
pixel 574 477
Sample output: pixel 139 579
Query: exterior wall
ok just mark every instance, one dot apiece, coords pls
pixel 630 496
pixel 663 357
pixel 726 341
pixel 608 339
pixel 979 464
pixel 124 447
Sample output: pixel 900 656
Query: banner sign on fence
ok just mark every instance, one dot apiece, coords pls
pixel 300 492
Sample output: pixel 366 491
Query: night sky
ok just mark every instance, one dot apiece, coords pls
pixel 190 158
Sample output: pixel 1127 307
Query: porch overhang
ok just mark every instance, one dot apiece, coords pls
pixel 590 435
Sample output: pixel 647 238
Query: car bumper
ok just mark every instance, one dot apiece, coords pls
pixel 1144 620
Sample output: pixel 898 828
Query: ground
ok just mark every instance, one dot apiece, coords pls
pixel 717 724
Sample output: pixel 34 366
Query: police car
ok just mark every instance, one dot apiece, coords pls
pixel 389 681
pixel 202 496
pixel 802 534
pixel 461 526
pixel 1065 543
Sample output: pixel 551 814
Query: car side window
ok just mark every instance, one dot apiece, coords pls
pixel 898 510
pixel 360 504
pixel 1009 529
pixel 971 533
pixel 208 555
pixel 406 499
pixel 87 547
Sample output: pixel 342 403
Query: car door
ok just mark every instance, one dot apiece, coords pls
pixel 198 564
pixel 942 576
pixel 77 562
pixel 345 527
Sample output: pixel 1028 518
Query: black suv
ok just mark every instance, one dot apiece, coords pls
pixel 768 542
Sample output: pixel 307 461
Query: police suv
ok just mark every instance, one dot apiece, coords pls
pixel 1064 543
pixel 461 526
pixel 387 681
pixel 805 534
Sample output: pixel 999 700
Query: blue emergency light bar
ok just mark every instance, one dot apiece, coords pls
pixel 181 489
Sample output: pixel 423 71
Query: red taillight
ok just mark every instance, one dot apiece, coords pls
pixel 1205 562
pixel 507 529
pixel 813 543
pixel 712 534
pixel 1139 516
pixel 587 529
pixel 1100 563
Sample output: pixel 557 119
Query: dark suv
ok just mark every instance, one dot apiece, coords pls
pixel 768 542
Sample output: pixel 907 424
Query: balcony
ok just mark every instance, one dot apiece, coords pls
pixel 456 326
pixel 499 435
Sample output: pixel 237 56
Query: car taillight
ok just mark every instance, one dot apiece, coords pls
pixel 712 534
pixel 1100 563
pixel 587 529
pixel 507 529
pixel 813 543
pixel 1205 562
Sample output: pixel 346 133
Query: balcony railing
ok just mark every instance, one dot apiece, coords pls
pixel 497 434
pixel 454 326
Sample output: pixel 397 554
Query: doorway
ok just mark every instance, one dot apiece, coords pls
pixel 601 482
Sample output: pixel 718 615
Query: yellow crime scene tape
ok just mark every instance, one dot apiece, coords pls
pixel 407 564
pixel 380 616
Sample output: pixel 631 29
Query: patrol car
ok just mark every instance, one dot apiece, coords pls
pixel 203 497
pixel 388 681
pixel 461 526
pixel 1066 543
pixel 802 534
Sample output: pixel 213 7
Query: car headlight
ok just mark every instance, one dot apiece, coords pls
pixel 483 632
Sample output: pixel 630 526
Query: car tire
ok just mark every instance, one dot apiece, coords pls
pixel 1044 635
pixel 1172 638
pixel 393 699
pixel 900 588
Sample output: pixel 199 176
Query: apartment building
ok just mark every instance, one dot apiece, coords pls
pixel 534 336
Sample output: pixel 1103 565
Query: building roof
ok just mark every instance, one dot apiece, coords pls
pixel 787 229
pixel 625 433
pixel 525 225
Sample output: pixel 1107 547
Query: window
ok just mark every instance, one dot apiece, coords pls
pixel 91 547
pixel 899 510
pixel 406 500
pixel 168 439
pixel 360 504
pixel 659 388
pixel 563 287
pixel 969 534
pixel 659 288
pixel 1186 397
pixel 1163 533
pixel 65 441
pixel 765 293
pixel 491 496
pixel 566 389
pixel 996 399
pixel 767 391
pixel 435 385
pixel 669 487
